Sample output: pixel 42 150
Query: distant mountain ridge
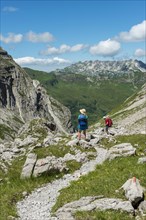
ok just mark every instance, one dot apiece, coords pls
pixel 96 68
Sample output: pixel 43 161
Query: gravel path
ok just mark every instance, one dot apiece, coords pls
pixel 38 205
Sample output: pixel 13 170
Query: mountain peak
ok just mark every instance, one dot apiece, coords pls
pixel 95 67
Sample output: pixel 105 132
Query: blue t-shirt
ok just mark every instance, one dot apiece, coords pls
pixel 82 122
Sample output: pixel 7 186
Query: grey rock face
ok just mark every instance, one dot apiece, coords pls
pixel 22 99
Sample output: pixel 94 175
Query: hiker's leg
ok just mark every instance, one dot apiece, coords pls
pixel 79 134
pixel 84 132
pixel 106 128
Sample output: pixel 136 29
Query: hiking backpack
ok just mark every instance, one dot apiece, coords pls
pixel 110 123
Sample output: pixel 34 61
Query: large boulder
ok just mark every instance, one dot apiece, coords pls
pixel 133 191
pixel 124 150
pixel 29 166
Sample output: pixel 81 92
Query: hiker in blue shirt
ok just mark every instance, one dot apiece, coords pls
pixel 82 123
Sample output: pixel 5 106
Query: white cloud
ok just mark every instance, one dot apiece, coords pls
pixel 140 53
pixel 12 38
pixel 10 9
pixel 77 47
pixel 31 36
pixel 36 61
pixel 136 33
pixel 41 37
pixel 105 48
pixel 63 49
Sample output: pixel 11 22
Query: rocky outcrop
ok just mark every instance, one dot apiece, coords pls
pixel 133 192
pixel 92 203
pixel 124 150
pixel 131 119
pixel 22 99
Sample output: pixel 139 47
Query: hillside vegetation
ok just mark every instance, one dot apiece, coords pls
pixel 77 91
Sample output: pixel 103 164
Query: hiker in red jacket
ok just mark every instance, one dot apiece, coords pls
pixel 108 123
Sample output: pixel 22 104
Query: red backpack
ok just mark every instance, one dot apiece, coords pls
pixel 110 123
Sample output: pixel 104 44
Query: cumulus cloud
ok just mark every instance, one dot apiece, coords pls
pixel 41 37
pixel 63 49
pixel 105 48
pixel 78 47
pixel 10 9
pixel 30 36
pixel 136 33
pixel 36 61
pixel 140 53
pixel 12 38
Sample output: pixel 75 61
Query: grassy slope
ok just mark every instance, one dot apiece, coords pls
pixel 75 92
pixel 106 179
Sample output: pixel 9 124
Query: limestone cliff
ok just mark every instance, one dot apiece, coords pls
pixel 22 99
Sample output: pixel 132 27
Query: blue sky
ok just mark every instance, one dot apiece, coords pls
pixel 46 35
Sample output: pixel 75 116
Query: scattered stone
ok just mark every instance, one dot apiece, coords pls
pixel 25 193
pixel 94 141
pixel 84 144
pixel 16 150
pixel 124 150
pixel 73 142
pixel 142 160
pixel 45 165
pixel 7 156
pixel 29 166
pixel 79 157
pixel 39 145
